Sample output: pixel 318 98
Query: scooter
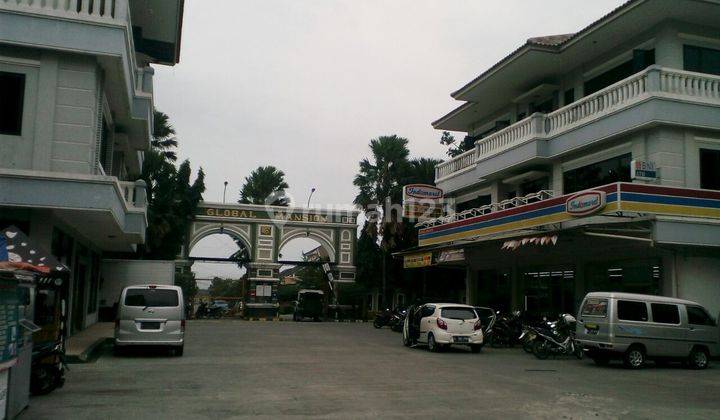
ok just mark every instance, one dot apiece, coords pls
pixel 48 367
pixel 387 317
pixel 557 338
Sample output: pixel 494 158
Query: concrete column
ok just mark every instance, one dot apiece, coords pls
pixel 470 286
pixel 669 48
pixel 515 288
pixel 580 283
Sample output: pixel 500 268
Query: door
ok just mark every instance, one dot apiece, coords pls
pixel 666 332
pixel 701 329
pixel 426 312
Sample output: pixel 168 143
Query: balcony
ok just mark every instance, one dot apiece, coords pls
pixel 111 213
pixel 547 135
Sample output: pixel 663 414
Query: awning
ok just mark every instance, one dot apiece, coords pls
pixel 18 252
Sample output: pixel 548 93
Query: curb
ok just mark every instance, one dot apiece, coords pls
pixel 89 352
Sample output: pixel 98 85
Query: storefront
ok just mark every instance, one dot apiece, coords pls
pixel 543 257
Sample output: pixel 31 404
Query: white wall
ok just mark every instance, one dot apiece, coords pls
pixel 118 274
pixel 698 279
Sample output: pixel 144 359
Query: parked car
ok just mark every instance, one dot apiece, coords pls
pixel 441 325
pixel 151 315
pixel 309 304
pixel 636 328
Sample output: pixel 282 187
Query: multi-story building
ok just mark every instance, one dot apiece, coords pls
pixel 76 115
pixel 595 164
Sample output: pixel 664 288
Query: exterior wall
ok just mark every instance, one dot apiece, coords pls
pixel 698 279
pixel 59 112
pixel 118 274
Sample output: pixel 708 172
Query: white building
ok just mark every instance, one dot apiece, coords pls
pixel 76 115
pixel 569 113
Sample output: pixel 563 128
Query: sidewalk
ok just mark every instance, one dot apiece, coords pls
pixel 80 346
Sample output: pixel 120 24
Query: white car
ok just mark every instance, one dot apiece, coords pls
pixel 441 325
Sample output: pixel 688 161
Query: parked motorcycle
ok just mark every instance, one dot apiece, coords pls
pixel 506 330
pixel 398 325
pixel 47 369
pixel 557 338
pixel 210 311
pixel 388 317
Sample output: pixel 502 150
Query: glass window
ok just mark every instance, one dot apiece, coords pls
pixel 427 311
pixel 611 170
pixel 698 316
pixel 665 313
pixel 151 297
pixel 595 307
pixel 569 96
pixel 12 86
pixel 476 202
pixel 458 313
pixel 710 169
pixel 641 59
pixel 632 311
pixel 701 60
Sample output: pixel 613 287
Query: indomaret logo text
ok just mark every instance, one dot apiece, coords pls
pixel 585 203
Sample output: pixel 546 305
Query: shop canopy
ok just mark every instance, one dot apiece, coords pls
pixel 17 252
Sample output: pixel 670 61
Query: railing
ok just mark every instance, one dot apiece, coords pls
pixel 105 11
pixel 653 81
pixel 134 193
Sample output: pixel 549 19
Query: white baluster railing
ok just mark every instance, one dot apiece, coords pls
pixel 102 11
pixel 654 81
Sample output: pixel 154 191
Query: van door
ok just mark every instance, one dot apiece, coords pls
pixel 667 335
pixel 593 322
pixel 701 329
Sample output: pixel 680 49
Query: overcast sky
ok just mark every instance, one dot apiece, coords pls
pixel 305 84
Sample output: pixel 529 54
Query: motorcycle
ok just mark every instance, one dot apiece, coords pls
pixel 212 311
pixel 387 317
pixel 557 337
pixel 398 325
pixel 47 369
pixel 505 330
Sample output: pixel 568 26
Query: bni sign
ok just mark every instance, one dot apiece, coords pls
pixel 585 203
pixel 640 169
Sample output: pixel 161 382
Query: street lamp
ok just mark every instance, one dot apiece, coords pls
pixel 312 191
pixel 224 190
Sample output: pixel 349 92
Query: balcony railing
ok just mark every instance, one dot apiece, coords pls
pixel 101 11
pixel 654 81
pixel 134 193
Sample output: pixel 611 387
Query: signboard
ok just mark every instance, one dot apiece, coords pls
pixel 451 255
pixel 642 170
pixel 585 203
pixel 422 201
pixel 9 332
pixel 278 215
pixel 417 260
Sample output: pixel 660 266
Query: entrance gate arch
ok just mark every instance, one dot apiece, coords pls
pixel 264 230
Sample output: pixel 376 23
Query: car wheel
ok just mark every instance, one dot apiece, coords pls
pixel 476 348
pixel 540 349
pixel 178 351
pixel 634 357
pixel 377 324
pixel 698 358
pixel 432 345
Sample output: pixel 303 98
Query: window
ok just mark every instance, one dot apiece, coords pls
pixel 529 187
pixel 104 146
pixel 544 107
pixel 156 298
pixel 701 60
pixel 611 170
pixel 569 97
pixel 710 169
pixel 427 311
pixel 12 86
pixel 595 307
pixel 665 313
pixel 458 313
pixel 641 59
pixel 698 316
pixel 476 202
pixel 632 311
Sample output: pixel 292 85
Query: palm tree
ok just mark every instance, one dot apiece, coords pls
pixel 380 177
pixel 422 171
pixel 163 136
pixel 265 185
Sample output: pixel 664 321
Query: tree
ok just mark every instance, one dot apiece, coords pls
pixel 422 171
pixel 454 148
pixel 172 197
pixel 265 185
pixel 163 137
pixel 225 288
pixel 186 281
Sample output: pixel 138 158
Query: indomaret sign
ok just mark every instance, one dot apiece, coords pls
pixel 422 201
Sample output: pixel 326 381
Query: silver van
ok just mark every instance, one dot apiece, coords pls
pixel 635 328
pixel 151 315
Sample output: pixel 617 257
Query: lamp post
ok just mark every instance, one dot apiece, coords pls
pixel 224 190
pixel 312 191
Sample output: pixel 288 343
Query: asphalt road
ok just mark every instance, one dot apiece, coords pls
pixel 235 369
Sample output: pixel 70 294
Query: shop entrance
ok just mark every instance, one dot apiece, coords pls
pixel 548 292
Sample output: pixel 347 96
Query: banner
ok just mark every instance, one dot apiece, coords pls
pixel 417 260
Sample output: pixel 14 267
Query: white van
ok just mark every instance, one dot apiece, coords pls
pixel 151 315
pixel 634 328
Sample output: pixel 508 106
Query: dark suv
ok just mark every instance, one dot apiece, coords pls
pixel 309 304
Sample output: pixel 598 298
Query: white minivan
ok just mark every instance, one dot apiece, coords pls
pixel 634 328
pixel 151 315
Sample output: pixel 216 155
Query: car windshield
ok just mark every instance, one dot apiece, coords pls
pixel 458 313
pixel 595 307
pixel 151 297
